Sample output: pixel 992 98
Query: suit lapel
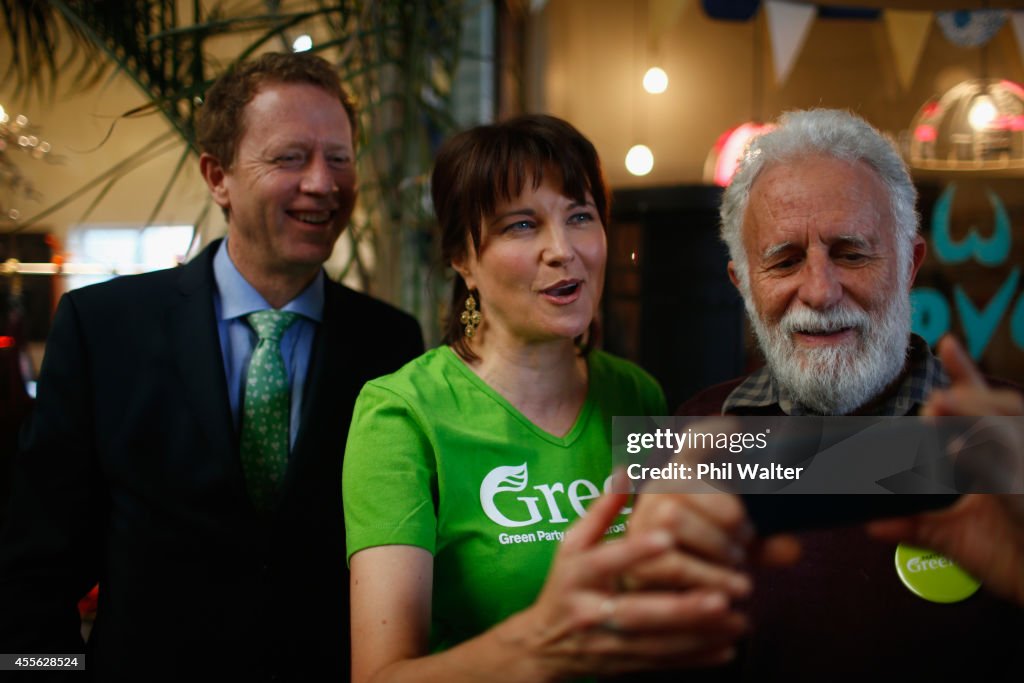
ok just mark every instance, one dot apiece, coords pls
pixel 311 494
pixel 196 348
pixel 328 382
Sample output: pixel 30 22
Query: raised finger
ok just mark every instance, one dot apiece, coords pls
pixel 958 364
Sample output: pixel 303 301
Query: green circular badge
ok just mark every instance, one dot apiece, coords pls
pixel 932 576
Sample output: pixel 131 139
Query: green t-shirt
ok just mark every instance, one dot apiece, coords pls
pixel 437 459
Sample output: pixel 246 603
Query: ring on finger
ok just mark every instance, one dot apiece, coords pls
pixel 608 609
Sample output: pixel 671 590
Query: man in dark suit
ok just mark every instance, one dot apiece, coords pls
pixel 142 467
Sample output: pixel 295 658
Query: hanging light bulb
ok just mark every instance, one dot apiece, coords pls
pixel 978 125
pixel 982 112
pixel 639 160
pixel 302 43
pixel 655 80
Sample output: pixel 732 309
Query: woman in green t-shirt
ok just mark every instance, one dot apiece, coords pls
pixel 465 469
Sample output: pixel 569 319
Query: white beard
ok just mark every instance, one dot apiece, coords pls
pixel 836 379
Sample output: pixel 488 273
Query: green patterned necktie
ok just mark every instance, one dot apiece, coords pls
pixel 265 414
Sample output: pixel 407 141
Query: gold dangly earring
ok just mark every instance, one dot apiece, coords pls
pixel 470 317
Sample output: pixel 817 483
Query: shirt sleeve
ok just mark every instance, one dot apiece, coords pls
pixel 389 477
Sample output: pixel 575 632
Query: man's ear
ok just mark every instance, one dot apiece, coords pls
pixel 920 250
pixel 731 269
pixel 214 174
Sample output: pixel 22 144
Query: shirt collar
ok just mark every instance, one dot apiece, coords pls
pixel 923 374
pixel 238 298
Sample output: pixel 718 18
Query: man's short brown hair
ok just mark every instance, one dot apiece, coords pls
pixel 221 122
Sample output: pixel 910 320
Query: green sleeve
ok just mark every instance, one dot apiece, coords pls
pixel 389 474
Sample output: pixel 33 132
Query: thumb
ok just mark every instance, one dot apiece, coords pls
pixel 961 369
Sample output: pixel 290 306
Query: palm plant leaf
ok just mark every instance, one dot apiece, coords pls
pixel 400 57
pixel 40 51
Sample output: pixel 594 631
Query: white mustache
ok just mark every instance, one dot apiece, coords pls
pixel 824 322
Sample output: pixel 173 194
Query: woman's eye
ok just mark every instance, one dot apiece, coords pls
pixel 583 217
pixel 518 226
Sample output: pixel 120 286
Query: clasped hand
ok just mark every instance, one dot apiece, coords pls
pixel 658 598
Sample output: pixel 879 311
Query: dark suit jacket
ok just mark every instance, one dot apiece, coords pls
pixel 129 475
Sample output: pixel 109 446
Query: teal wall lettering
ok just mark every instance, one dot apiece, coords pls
pixel 1017 324
pixel 980 325
pixel 930 314
pixel 990 251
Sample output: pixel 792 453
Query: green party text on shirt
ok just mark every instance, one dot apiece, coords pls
pixel 437 459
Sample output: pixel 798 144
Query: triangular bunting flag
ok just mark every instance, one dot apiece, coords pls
pixel 788 25
pixel 908 33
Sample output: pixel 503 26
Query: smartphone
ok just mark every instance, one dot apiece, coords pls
pixel 781 512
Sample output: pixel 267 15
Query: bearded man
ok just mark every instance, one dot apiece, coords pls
pixel 822 233
pixel 822 236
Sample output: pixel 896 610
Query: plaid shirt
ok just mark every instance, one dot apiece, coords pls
pixel 923 374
